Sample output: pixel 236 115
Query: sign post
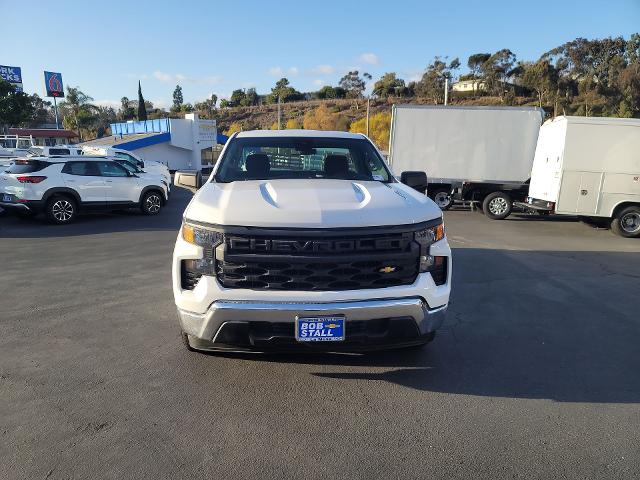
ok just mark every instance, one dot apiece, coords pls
pixel 55 89
pixel 13 75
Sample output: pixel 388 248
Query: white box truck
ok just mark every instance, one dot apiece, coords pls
pixel 589 167
pixel 471 154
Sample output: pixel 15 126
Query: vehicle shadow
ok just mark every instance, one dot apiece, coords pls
pixel 169 218
pixel 550 325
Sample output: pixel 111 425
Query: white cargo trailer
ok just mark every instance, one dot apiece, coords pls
pixel 471 154
pixel 589 167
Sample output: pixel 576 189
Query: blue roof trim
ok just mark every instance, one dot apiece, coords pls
pixel 145 142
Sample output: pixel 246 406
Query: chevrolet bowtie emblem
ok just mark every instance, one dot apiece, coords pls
pixel 387 269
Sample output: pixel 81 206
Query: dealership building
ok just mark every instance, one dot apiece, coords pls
pixel 188 143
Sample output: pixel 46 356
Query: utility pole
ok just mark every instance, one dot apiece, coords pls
pixel 55 109
pixel 279 120
pixel 446 90
pixel 368 108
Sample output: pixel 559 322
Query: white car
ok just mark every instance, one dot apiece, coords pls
pixel 305 240
pixel 61 187
pixel 57 150
pixel 148 166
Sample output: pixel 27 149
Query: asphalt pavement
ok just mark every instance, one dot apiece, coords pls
pixel 536 373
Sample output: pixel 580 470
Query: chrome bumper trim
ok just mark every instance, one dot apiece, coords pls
pixel 206 326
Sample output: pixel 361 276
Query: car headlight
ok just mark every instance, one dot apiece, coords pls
pixel 425 239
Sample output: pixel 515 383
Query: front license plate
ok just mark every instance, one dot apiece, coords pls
pixel 6 198
pixel 320 329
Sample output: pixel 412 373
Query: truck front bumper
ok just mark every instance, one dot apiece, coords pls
pixel 263 326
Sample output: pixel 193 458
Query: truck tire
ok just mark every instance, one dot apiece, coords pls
pixel 497 205
pixel 626 223
pixel 443 199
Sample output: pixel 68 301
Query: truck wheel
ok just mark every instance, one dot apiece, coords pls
pixel 497 205
pixel 626 223
pixel 443 199
pixel 61 209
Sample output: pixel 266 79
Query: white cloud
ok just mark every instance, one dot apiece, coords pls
pixel 319 82
pixel 323 70
pixel 280 72
pixel 369 59
pixel 180 78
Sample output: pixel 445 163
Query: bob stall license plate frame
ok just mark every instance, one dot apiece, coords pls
pixel 320 328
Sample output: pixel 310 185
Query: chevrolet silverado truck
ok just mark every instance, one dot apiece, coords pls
pixel 305 240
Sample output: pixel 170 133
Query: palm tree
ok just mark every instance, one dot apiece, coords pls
pixel 77 104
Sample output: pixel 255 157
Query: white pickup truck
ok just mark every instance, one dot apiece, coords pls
pixel 305 240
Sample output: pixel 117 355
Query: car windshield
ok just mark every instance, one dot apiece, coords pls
pixel 270 158
pixel 35 152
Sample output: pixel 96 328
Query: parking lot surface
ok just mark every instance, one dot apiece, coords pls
pixel 535 375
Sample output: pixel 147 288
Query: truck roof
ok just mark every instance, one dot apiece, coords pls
pixel 595 120
pixel 298 133
pixel 468 107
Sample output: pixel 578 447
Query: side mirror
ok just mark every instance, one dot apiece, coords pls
pixel 416 180
pixel 189 179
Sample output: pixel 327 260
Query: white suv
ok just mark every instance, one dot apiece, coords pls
pixel 63 186
pixel 149 166
pixel 306 240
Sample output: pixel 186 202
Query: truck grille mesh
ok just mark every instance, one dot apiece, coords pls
pixel 394 263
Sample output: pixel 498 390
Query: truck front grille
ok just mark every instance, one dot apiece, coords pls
pixel 338 263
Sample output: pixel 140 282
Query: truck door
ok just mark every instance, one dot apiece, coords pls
pixel 579 192
pixel 589 192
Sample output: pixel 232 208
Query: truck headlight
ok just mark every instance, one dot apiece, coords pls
pixel 206 238
pixel 201 236
pixel 426 238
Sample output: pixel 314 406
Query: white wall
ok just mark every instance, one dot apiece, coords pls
pixel 175 158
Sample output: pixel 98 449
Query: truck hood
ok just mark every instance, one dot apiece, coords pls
pixel 321 203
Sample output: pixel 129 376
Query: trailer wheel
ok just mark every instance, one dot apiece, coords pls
pixel 497 205
pixel 443 199
pixel 626 223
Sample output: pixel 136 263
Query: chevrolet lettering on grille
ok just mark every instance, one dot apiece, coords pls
pixel 244 244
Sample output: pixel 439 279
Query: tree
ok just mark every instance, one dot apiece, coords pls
pixel 178 99
pixel 208 105
pixel 541 77
pixel 353 84
pixel 497 70
pixel 329 92
pixel 142 111
pixel 475 62
pixel 42 111
pixel 389 86
pixel 104 117
pixel 284 91
pixel 432 83
pixel 250 97
pixel 127 111
pixel 379 128
pixel 237 97
pixel 322 118
pixel 78 112
pixel 16 108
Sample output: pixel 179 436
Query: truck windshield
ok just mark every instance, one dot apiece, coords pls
pixel 270 158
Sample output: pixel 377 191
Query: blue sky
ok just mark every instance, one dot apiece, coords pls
pixel 215 46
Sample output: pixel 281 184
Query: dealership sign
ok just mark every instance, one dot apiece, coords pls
pixel 207 130
pixel 53 84
pixel 13 75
